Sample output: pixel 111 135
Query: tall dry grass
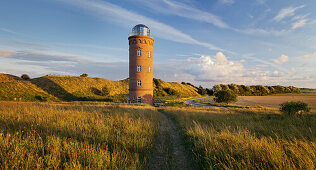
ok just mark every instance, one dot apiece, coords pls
pixel 76 135
pixel 247 138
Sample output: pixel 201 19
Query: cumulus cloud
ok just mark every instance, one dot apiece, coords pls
pixel 282 59
pixel 208 68
pixel 6 53
pixel 286 12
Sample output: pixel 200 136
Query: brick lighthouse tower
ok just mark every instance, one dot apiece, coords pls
pixel 140 65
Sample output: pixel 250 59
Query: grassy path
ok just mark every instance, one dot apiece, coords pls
pixel 169 151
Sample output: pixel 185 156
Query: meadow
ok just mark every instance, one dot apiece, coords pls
pixel 105 135
pixel 260 138
pixel 76 135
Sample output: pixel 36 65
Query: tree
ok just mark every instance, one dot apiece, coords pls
pixel 225 96
pixel 25 77
pixel 201 90
pixel 217 88
pixel 293 108
pixel 210 92
pixel 84 75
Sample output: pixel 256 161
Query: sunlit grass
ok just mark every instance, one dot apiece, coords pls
pixel 247 138
pixel 76 135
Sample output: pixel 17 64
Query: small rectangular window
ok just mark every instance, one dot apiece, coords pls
pixel 139 83
pixel 139 68
pixel 149 69
pixel 149 54
pixel 139 99
pixel 139 52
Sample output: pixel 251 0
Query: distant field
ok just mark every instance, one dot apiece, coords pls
pixel 273 101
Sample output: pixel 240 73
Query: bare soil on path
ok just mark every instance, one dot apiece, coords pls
pixel 169 150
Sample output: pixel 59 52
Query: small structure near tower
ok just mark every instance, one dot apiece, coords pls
pixel 140 65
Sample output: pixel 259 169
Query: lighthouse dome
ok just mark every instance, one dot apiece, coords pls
pixel 140 29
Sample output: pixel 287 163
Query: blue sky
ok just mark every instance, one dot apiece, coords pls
pixel 203 42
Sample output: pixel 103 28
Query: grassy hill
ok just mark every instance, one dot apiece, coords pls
pixel 71 88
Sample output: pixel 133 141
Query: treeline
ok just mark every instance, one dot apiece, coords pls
pixel 256 90
pixel 201 90
pixel 159 90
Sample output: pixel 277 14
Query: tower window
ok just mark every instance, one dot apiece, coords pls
pixel 139 68
pixel 149 54
pixel 139 83
pixel 144 41
pixel 149 69
pixel 139 52
pixel 139 99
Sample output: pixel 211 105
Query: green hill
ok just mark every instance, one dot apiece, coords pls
pixel 71 88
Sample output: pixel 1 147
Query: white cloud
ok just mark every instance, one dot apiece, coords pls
pixel 7 30
pixel 286 12
pixel 299 23
pixel 282 59
pixel 208 68
pixel 124 17
pixel 39 64
pixel 184 10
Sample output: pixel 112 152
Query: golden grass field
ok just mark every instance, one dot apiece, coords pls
pixel 102 135
pixel 254 138
pixel 76 135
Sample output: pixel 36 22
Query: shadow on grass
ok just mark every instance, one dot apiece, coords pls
pixel 59 92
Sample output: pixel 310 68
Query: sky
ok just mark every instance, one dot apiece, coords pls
pixel 205 42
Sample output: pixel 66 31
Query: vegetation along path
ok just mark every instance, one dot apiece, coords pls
pixel 169 152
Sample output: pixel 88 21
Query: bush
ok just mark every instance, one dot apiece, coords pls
pixel 225 96
pixel 105 91
pixel 84 75
pixel 293 108
pixel 25 77
pixel 170 91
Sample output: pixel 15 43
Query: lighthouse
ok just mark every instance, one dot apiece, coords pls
pixel 140 65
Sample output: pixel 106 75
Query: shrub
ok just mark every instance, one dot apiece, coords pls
pixel 225 96
pixel 293 108
pixel 84 75
pixel 25 77
pixel 170 91
pixel 105 91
